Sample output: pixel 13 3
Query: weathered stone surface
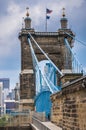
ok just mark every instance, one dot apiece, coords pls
pixel 69 106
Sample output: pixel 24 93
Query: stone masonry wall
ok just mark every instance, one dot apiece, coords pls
pixel 69 106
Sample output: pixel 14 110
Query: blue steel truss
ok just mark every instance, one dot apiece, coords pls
pixel 45 80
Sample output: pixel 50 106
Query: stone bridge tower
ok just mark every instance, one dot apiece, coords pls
pixel 53 44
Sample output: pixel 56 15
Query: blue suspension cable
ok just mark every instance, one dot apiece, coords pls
pixel 33 55
pixel 46 55
pixel 75 39
pixel 78 63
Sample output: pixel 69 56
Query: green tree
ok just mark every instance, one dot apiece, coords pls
pixel 3 121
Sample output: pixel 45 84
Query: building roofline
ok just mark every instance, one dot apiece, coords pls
pixel 74 81
pixel 70 83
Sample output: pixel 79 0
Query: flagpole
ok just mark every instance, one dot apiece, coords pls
pixel 46 23
pixel 48 11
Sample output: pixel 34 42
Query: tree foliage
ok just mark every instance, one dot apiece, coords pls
pixel 3 121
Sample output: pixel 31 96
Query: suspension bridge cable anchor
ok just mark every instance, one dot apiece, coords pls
pixel 29 36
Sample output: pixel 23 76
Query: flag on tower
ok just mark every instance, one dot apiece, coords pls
pixel 47 17
pixel 48 11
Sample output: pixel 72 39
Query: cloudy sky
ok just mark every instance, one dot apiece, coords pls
pixel 11 14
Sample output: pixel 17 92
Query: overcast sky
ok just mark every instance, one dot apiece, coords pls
pixel 11 14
